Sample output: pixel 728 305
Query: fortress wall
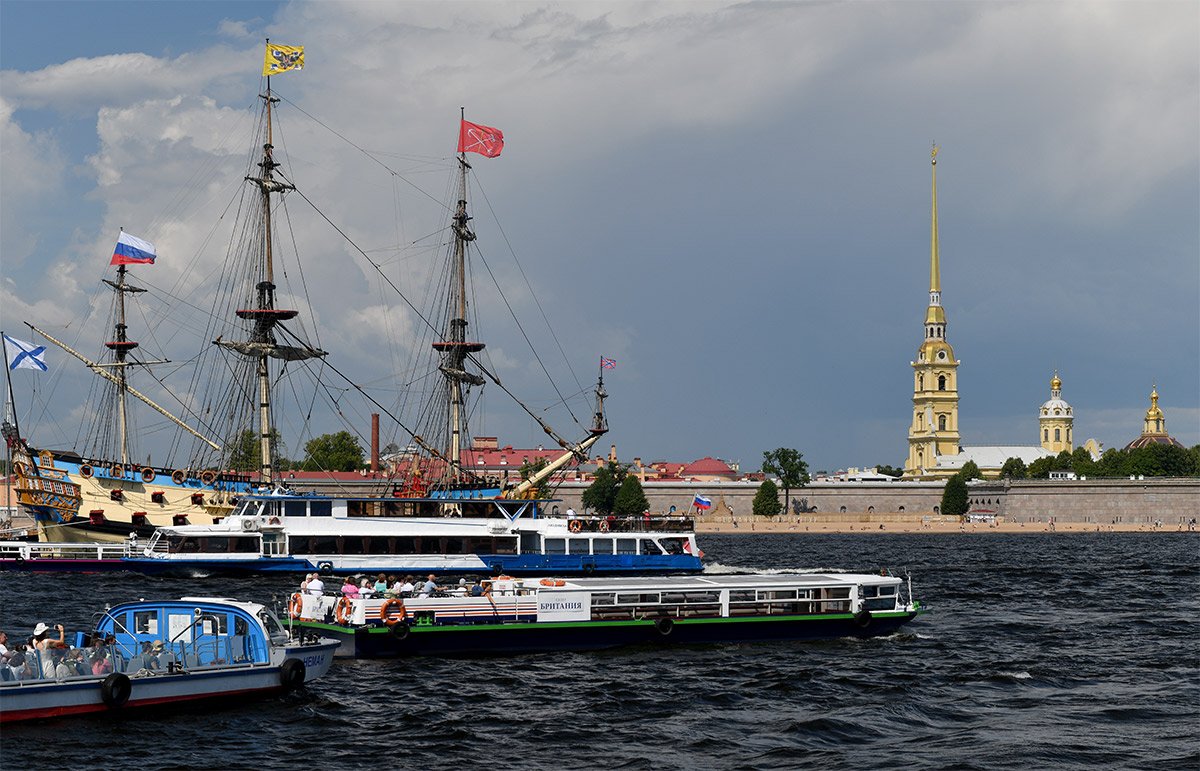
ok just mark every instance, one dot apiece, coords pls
pixel 1098 501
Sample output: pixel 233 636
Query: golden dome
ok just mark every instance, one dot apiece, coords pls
pixel 1154 412
pixel 1055 383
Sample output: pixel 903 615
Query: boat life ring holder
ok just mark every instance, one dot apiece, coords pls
pixel 553 582
pixel 178 476
pixel 604 526
pixel 295 605
pixel 86 471
pixel 386 615
pixel 208 476
pixel 149 475
pixel 116 470
pixel 343 610
pixel 575 526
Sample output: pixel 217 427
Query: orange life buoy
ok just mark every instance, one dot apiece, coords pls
pixel 177 476
pixel 18 468
pixel 575 525
pixel 385 612
pixel 604 526
pixel 343 610
pixel 295 605
pixel 148 475
pixel 116 470
pixel 553 582
pixel 208 477
pixel 85 471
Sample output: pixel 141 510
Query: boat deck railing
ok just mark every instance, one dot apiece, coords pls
pixel 644 524
pixel 28 550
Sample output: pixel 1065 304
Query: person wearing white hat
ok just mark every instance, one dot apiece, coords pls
pixel 43 643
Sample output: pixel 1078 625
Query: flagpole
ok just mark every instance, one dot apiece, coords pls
pixel 11 408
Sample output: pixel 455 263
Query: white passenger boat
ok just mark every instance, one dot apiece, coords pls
pixel 513 615
pixel 143 654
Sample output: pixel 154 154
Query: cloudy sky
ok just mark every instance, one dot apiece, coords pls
pixel 730 199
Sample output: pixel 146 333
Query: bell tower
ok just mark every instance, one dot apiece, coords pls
pixel 1056 420
pixel 934 428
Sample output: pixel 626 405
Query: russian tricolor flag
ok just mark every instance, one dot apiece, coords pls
pixel 700 502
pixel 132 250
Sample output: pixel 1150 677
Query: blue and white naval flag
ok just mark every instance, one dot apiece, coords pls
pixel 22 355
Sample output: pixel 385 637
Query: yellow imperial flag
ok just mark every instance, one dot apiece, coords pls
pixel 283 59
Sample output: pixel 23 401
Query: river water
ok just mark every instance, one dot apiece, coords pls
pixel 1065 651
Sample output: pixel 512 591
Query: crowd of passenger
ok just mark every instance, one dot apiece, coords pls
pixel 45 657
pixel 385 586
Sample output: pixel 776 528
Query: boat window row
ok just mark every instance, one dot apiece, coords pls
pixel 585 545
pixel 402 544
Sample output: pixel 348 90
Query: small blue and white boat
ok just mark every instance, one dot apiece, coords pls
pixel 150 653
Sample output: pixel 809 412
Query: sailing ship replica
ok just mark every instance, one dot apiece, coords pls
pixel 101 494
pixel 430 512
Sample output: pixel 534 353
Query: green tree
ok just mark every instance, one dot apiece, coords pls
pixel 1082 463
pixel 955 498
pixel 766 500
pixel 789 466
pixel 969 471
pixel 891 471
pixel 245 453
pixel 1013 468
pixel 1041 468
pixel 631 500
pixel 333 452
pixel 532 467
pixel 601 494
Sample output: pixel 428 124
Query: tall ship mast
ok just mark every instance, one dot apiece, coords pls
pixel 263 320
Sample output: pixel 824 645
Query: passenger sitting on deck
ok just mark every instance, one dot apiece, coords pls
pixel 461 589
pixel 101 665
pixel 381 584
pixel 407 588
pixel 429 587
pixel 364 589
pixel 476 589
pixel 62 668
pixel 18 666
pixel 316 587
pixel 162 657
pixel 349 589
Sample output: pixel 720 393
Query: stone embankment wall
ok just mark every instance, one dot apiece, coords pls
pixel 1099 501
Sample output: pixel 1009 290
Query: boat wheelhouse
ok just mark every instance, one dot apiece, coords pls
pixel 512 615
pixel 282 532
pixel 149 653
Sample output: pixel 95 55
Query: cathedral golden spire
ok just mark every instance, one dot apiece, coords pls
pixel 935 315
pixel 935 275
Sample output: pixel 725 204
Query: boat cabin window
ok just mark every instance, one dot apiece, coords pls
pixel 602 546
pixel 145 622
pixel 713 596
pixel 179 626
pixel 776 594
pixel 313 544
pixel 637 599
pixel 742 595
pixel 604 598
pixel 320 508
pixel 673 545
pixel 248 507
pixel 626 546
pixel 556 546
pixel 213 544
pixel 360 509
pixel 580 546
pixel 649 546
pixel 295 508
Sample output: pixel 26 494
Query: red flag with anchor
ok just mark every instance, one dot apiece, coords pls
pixel 485 140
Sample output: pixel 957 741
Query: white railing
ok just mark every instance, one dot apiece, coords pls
pixel 23 550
